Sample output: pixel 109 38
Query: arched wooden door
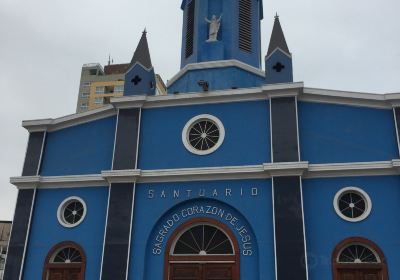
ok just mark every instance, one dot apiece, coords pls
pixel 357 258
pixel 202 249
pixel 65 261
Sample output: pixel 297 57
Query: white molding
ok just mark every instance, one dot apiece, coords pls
pixel 360 192
pixel 61 208
pixel 304 227
pixel 105 232
pixel 70 120
pixel 213 65
pixel 397 131
pixel 141 65
pixel 359 99
pixel 262 171
pixel 186 130
pixel 274 227
pixel 289 55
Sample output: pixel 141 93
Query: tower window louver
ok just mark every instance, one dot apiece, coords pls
pixel 189 28
pixel 245 34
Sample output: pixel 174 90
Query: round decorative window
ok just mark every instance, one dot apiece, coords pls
pixel 352 204
pixel 71 212
pixel 203 134
pixel 358 253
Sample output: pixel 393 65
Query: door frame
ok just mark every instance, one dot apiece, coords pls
pixel 336 267
pixel 235 259
pixel 49 266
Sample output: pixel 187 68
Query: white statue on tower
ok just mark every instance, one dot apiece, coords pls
pixel 214 28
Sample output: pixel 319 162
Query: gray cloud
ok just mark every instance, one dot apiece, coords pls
pixel 349 45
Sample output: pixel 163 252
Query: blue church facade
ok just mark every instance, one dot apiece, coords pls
pixel 237 173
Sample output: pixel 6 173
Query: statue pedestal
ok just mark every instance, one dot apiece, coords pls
pixel 211 51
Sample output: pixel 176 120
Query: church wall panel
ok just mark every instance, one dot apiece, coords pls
pixel 250 201
pixel 331 133
pixel 247 136
pixel 325 229
pixel 46 231
pixel 81 149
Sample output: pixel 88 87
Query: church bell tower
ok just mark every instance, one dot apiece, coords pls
pixel 215 30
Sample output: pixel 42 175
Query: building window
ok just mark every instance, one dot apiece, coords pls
pixel 190 28
pixel 85 94
pixel 84 106
pixel 203 134
pixel 66 260
pixel 352 204
pixel 358 258
pixel 71 212
pixel 118 89
pixel 100 90
pixel 98 100
pixel 86 84
pixel 245 33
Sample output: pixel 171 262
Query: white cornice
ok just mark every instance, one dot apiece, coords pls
pixel 213 65
pixel 70 120
pixel 264 171
pixel 265 92
pixel 278 49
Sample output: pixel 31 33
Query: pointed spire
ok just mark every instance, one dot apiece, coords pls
pixel 277 38
pixel 142 53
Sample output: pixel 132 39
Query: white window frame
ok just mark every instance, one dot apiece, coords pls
pixel 98 91
pixel 363 194
pixel 188 126
pixel 63 205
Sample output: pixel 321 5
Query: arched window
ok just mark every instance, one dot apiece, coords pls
pixel 358 258
pixel 65 261
pixel 202 248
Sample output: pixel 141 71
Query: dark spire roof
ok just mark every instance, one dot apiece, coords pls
pixel 277 38
pixel 142 53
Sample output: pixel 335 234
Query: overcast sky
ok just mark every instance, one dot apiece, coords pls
pixel 337 44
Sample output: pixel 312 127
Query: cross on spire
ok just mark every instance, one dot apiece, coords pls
pixel 278 67
pixel 136 80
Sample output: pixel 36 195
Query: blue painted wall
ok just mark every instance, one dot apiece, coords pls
pixel 331 133
pixel 246 127
pixel 47 232
pixel 285 75
pixel 228 34
pixel 218 79
pixel 152 211
pixel 81 149
pixel 325 229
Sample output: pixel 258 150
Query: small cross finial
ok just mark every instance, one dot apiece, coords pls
pixel 276 15
pixel 145 31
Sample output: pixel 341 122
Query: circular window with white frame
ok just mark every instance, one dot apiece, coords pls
pixel 71 212
pixel 203 134
pixel 352 204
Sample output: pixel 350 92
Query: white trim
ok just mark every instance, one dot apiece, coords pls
pixel 62 206
pixel 270 130
pixel 304 227
pixel 273 220
pixel 141 65
pixel 41 153
pixel 278 49
pixel 189 125
pixel 138 137
pixel 397 130
pixel 27 235
pixel 105 231
pixel 262 171
pixel 298 130
pixel 213 65
pixel 70 120
pixel 360 192
pixel 115 139
pixel 130 232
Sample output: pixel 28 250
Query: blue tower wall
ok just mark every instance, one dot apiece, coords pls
pixel 285 75
pixel 218 79
pixel 147 85
pixel 46 231
pixel 161 146
pixel 228 35
pixel 331 133
pixel 152 213
pixel 325 229
pixel 81 149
